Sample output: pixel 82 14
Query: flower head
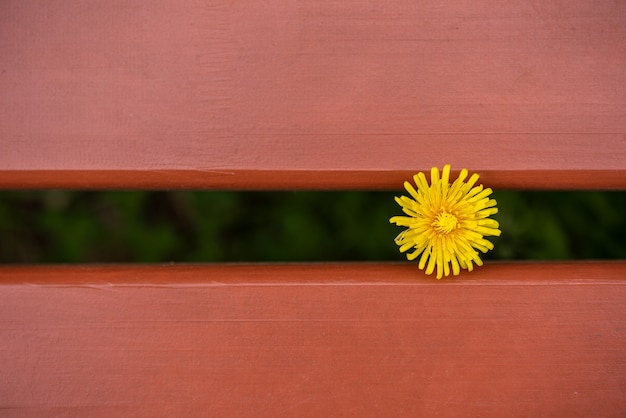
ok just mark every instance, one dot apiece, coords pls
pixel 446 222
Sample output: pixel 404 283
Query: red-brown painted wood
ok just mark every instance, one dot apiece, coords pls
pixel 509 339
pixel 324 94
pixel 283 93
pixel 272 179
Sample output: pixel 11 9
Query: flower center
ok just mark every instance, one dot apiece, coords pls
pixel 445 222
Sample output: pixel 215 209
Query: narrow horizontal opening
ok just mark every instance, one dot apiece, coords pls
pixel 71 227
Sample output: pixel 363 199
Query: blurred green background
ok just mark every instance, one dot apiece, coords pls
pixel 68 226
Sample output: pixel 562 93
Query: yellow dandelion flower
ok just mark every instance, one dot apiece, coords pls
pixel 446 223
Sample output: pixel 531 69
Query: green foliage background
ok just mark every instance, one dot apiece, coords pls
pixel 66 226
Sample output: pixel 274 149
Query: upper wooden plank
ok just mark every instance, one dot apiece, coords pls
pixel 284 93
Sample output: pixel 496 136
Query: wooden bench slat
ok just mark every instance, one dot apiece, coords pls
pixel 311 95
pixel 272 179
pixel 510 339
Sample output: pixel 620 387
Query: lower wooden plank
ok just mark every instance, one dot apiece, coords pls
pixel 510 339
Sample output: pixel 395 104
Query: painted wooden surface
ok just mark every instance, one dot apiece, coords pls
pixel 323 94
pixel 510 339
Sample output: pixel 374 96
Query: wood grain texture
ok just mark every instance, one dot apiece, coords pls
pixel 510 339
pixel 324 94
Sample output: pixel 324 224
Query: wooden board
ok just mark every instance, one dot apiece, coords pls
pixel 510 339
pixel 323 94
